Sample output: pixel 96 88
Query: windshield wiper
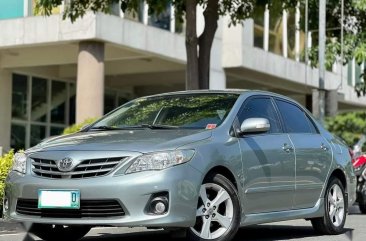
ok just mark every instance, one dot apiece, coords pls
pixel 104 128
pixel 154 126
pixel 150 126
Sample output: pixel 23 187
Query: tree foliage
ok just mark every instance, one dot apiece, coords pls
pixel 354 33
pixel 77 127
pixel 6 161
pixel 348 126
pixel 198 47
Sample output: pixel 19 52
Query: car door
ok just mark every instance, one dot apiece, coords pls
pixel 313 154
pixel 268 160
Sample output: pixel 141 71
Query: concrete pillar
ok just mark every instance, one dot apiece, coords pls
pixel 266 29
pixel 284 33
pixel 217 73
pixel 217 79
pixel 318 97
pixel 90 81
pixel 331 102
pixel 248 32
pixel 315 104
pixel 5 109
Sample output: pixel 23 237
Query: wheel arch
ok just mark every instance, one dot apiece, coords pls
pixel 225 172
pixel 338 173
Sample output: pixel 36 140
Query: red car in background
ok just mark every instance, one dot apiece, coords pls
pixel 359 165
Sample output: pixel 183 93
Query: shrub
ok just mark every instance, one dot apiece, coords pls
pixel 76 127
pixel 349 126
pixel 6 162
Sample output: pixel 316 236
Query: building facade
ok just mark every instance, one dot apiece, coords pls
pixel 54 73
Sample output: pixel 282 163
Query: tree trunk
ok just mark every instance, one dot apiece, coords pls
pixel 211 16
pixel 192 76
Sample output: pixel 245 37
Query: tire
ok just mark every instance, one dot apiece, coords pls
pixel 49 232
pixel 332 223
pixel 362 206
pixel 218 211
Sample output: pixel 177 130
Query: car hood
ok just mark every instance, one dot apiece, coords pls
pixel 143 141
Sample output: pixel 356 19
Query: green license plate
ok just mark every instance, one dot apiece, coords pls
pixel 68 199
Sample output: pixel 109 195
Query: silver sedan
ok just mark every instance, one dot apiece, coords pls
pixel 206 162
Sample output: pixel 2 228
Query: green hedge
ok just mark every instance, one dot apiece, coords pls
pixel 349 126
pixel 6 161
pixel 76 127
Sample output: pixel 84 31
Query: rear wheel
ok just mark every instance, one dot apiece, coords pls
pixel 49 232
pixel 218 211
pixel 335 210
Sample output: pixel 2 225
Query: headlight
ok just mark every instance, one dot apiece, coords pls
pixel 19 162
pixel 160 160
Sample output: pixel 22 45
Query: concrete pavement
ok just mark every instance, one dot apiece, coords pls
pixel 289 230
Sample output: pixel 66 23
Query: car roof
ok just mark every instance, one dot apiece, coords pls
pixel 225 91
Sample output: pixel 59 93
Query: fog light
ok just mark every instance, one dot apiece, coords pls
pixel 160 208
pixel 159 205
pixel 6 204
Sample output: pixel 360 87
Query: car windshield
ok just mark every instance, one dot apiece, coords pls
pixel 191 111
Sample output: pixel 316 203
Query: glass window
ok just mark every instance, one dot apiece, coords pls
pixel 38 133
pixel 11 9
pixel 72 109
pixel 19 97
pixel 261 108
pixel 55 130
pixel 17 141
pixel 162 20
pixel 136 15
pixel 258 17
pixel 122 100
pixel 49 102
pixel 109 102
pixel 294 118
pixel 275 32
pixel 183 111
pixel 58 102
pixel 39 100
pixel 358 73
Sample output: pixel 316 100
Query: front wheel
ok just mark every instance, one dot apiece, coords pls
pixel 334 218
pixel 49 232
pixel 218 211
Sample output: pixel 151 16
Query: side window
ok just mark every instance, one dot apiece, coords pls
pixel 261 108
pixel 295 120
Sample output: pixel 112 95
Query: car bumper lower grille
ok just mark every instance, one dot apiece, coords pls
pixel 88 209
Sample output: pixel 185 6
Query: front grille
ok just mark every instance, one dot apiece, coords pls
pixel 87 168
pixel 88 209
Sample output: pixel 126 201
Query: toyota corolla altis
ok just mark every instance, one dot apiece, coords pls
pixel 207 162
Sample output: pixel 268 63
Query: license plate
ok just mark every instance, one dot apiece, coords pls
pixel 68 199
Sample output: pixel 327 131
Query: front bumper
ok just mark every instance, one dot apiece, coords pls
pixel 132 191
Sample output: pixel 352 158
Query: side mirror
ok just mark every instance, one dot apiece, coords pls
pixel 255 125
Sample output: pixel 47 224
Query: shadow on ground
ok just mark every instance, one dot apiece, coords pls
pixel 253 233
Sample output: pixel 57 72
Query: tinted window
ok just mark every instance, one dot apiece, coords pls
pixel 294 118
pixel 261 108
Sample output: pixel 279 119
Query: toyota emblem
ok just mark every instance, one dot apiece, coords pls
pixel 65 164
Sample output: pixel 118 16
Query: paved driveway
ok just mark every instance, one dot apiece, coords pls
pixel 290 230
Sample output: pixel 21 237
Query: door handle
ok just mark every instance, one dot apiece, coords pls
pixel 287 148
pixel 323 147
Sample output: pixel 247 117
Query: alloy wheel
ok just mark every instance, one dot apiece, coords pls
pixel 336 205
pixel 215 212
